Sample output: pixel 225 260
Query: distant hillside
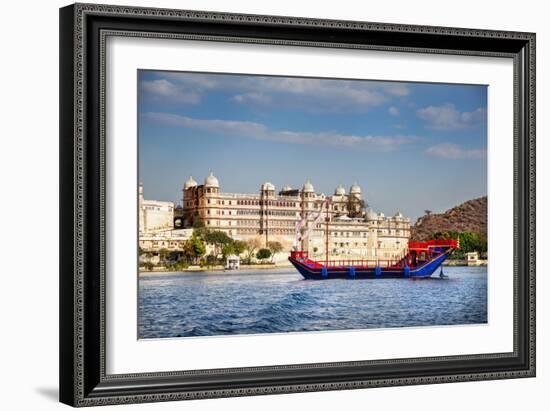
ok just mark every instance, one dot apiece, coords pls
pixel 468 216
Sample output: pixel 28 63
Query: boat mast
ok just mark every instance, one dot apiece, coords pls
pixel 326 234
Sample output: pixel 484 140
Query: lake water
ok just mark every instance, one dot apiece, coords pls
pixel 205 304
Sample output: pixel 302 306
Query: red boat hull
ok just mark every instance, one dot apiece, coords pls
pixel 435 252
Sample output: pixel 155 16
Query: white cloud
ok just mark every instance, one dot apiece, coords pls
pixel 253 98
pixel 257 131
pixel 394 111
pixel 447 117
pixel 198 80
pixel 309 94
pixel 312 94
pixel 164 90
pixel 397 89
pixel 455 152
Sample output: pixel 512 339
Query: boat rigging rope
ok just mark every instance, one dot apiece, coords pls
pixel 301 224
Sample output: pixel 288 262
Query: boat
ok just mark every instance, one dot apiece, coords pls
pixel 422 259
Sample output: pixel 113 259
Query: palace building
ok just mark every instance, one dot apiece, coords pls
pixel 354 231
pixel 154 215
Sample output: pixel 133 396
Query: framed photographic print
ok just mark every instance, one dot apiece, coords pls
pixel 261 204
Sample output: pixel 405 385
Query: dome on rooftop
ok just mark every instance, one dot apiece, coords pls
pixel 308 187
pixel 340 190
pixel 355 189
pixel 211 181
pixel 286 187
pixel 371 215
pixel 268 186
pixel 189 183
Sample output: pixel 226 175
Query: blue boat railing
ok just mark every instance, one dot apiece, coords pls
pixel 362 263
pixel 403 262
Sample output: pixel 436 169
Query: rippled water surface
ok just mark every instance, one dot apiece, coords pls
pixel 202 304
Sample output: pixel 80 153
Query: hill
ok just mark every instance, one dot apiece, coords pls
pixel 469 216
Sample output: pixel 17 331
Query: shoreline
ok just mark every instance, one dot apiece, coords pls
pixel 265 267
pixel 464 263
pixel 220 269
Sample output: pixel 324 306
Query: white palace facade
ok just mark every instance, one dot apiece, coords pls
pixel 354 231
pixel 154 215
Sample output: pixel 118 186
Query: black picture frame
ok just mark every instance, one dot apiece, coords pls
pixel 83 29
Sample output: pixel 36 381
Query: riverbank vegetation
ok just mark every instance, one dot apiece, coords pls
pixel 209 248
pixel 469 242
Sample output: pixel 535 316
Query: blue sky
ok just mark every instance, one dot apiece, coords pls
pixel 410 146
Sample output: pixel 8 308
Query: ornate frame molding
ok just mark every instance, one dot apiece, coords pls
pixel 82 277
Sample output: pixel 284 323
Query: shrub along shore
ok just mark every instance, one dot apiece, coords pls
pixel 193 255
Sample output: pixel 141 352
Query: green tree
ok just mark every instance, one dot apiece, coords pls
pixel 163 254
pixel 200 232
pixel 194 248
pixel 198 247
pixel 275 247
pixel 180 266
pixel 198 224
pixel 227 250
pixel 481 243
pixel 263 253
pixel 211 260
pixel 148 266
pixel 218 239
pixel 251 246
pixel 239 246
pixel 469 242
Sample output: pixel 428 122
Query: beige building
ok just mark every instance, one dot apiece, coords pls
pixel 154 215
pixel 296 218
pixel 172 240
